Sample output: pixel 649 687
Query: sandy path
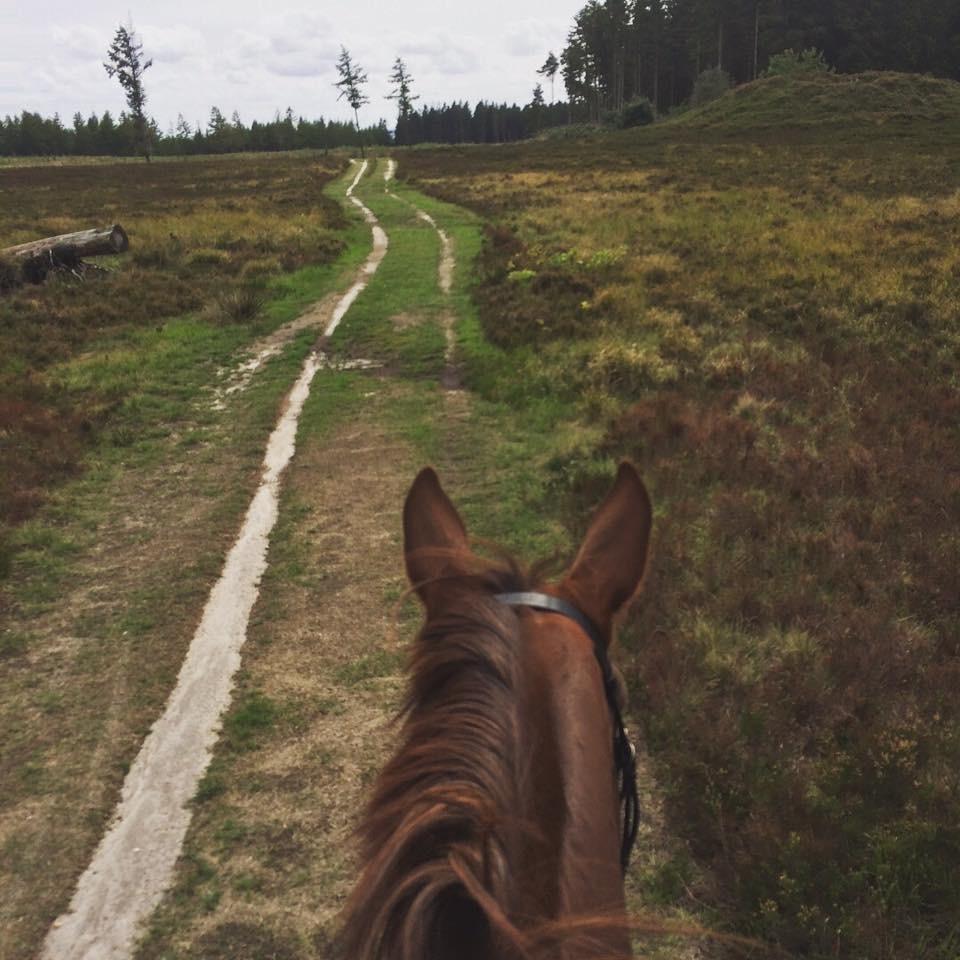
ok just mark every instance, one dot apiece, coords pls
pixel 317 650
pixel 134 862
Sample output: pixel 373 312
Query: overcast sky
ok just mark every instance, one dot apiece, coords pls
pixel 260 57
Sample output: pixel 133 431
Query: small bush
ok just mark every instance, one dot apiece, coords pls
pixel 628 369
pixel 790 63
pixel 521 276
pixel 711 85
pixel 520 306
pixel 261 267
pixel 637 113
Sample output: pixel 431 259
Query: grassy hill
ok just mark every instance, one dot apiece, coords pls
pixel 829 101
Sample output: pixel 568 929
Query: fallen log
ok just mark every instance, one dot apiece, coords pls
pixel 64 252
pixel 85 243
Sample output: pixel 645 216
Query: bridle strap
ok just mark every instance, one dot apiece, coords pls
pixel 624 754
pixel 544 601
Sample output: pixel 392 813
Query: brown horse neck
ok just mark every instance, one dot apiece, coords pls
pixel 568 865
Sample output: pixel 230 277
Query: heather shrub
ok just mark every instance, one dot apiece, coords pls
pixel 800 697
pixel 709 86
pixel 521 305
pixel 626 369
pixel 237 306
pixel 790 63
pixel 794 657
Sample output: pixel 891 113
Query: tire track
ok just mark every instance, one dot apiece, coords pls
pixel 133 865
pixel 450 378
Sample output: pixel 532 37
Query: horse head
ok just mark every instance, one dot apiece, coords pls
pixel 499 828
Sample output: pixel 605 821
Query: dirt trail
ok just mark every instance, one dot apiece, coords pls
pixel 318 316
pixel 133 864
pixel 317 648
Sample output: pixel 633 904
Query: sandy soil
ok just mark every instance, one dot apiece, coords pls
pixel 234 381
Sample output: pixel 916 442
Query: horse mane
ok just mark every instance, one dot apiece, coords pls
pixel 436 835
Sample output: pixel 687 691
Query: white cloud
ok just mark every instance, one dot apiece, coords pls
pixel 438 52
pixel 245 45
pixel 172 44
pixel 297 65
pixel 307 25
pixel 524 38
pixel 294 46
pixel 80 43
pixel 72 76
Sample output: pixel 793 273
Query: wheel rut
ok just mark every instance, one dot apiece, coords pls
pixel 450 379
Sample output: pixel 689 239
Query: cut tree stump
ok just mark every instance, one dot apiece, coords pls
pixel 65 252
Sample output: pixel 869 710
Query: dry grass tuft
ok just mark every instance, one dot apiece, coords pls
pixel 237 306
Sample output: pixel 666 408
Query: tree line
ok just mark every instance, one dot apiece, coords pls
pixel 30 134
pixel 618 50
pixel 485 123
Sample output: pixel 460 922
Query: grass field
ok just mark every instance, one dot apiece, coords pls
pixel 819 104
pixel 209 238
pixel 772 331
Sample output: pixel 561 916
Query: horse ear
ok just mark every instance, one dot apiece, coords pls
pixel 434 537
pixel 609 565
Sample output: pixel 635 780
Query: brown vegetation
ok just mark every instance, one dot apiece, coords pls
pixel 772 334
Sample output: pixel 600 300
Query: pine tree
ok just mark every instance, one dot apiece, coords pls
pixel 128 66
pixel 217 122
pixel 549 70
pixel 402 82
pixel 352 79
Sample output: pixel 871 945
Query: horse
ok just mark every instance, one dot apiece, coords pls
pixel 500 828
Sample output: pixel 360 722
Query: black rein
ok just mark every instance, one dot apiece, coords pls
pixel 624 755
